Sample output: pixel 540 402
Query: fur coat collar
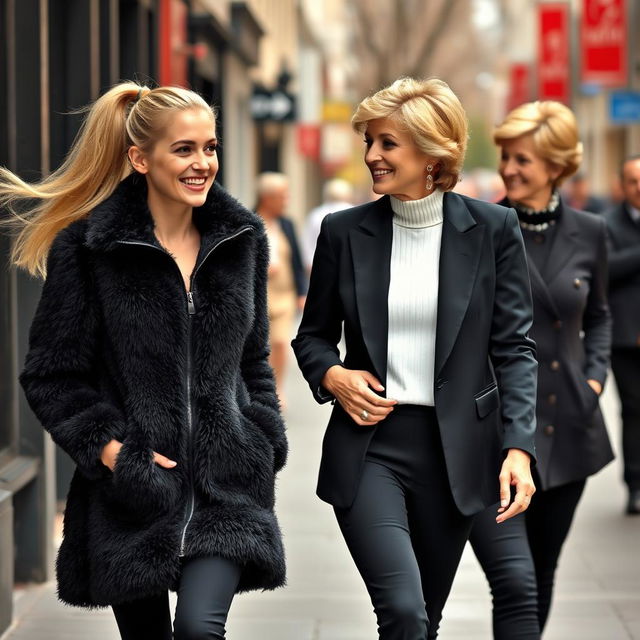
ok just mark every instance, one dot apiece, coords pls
pixel 125 217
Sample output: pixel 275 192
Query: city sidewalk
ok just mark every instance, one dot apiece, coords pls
pixel 598 583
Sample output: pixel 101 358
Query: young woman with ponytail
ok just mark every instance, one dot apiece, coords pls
pixel 148 366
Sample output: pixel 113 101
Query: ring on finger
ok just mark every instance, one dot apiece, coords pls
pixel 364 415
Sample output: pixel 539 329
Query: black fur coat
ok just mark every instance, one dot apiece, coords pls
pixel 118 351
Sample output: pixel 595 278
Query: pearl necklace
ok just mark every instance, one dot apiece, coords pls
pixel 547 214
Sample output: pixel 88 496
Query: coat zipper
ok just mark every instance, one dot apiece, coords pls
pixel 191 310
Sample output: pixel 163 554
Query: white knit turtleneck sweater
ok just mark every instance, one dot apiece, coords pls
pixel 413 298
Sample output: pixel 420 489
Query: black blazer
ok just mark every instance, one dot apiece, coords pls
pixel 624 277
pixel 572 332
pixel 299 273
pixel 484 359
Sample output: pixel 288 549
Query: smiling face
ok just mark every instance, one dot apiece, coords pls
pixel 398 167
pixel 527 177
pixel 182 165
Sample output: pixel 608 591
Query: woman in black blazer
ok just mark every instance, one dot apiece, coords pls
pixel 567 257
pixel 437 386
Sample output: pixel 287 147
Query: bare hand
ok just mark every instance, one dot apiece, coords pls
pixel 109 454
pixel 595 385
pixel 111 450
pixel 516 471
pixel 352 389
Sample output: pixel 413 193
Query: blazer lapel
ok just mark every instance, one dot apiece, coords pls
pixel 371 250
pixel 540 290
pixel 564 245
pixel 459 257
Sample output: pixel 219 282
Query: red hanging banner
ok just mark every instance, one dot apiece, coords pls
pixel 554 79
pixel 172 68
pixel 519 85
pixel 603 39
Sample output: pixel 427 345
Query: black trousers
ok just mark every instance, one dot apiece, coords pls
pixel 403 530
pixel 626 369
pixel 520 556
pixel 207 587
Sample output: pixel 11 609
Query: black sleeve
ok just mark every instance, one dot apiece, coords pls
pixel 58 377
pixel 316 345
pixel 596 321
pixel 512 352
pixel 299 273
pixel 623 262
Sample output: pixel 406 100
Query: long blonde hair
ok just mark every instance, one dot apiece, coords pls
pixel 128 114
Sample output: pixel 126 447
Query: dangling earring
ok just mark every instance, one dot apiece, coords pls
pixel 429 184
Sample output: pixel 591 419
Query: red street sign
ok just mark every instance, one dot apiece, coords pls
pixel 554 79
pixel 519 85
pixel 309 140
pixel 603 36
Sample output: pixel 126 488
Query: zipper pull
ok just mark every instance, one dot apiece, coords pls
pixel 190 304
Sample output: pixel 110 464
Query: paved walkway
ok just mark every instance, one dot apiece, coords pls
pixel 598 586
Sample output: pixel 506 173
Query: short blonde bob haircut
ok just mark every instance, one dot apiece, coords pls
pixel 554 131
pixel 431 113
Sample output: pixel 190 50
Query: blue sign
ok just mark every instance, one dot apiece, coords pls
pixel 624 107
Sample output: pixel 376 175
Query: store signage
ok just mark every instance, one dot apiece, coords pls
pixel 624 107
pixel 603 43
pixel 309 140
pixel 554 79
pixel 519 85
pixel 276 106
pixel 336 111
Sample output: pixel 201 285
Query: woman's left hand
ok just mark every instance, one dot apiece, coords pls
pixel 595 385
pixel 516 471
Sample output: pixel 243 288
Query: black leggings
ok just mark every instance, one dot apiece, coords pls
pixel 520 556
pixel 403 530
pixel 207 587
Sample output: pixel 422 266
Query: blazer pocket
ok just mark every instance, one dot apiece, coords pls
pixel 487 400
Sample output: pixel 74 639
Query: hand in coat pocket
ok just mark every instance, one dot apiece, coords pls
pixel 591 390
pixel 143 483
pixel 595 385
pixel 111 450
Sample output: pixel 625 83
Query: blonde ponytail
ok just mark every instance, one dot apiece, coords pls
pixel 127 114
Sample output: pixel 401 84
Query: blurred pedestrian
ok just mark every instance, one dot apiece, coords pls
pixel 567 257
pixel 337 194
pixel 287 284
pixel 147 364
pixel 432 288
pixel 624 292
pixel 577 195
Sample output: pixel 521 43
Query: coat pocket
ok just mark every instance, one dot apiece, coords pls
pixel 139 488
pixel 587 398
pixel 487 400
pixel 590 399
